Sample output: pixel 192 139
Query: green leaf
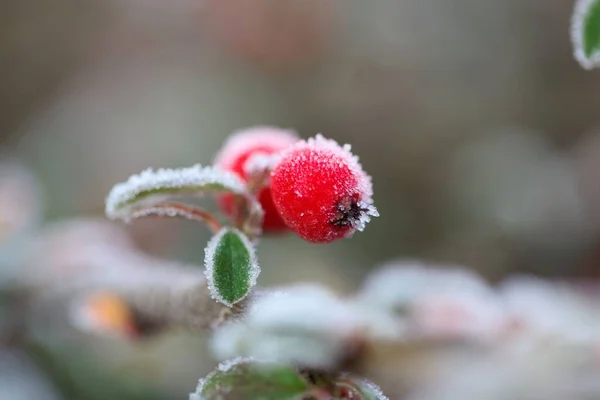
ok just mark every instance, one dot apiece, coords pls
pixel 150 188
pixel 585 32
pixel 252 380
pixel 591 27
pixel 231 266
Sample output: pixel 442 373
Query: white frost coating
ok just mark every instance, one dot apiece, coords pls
pixel 365 385
pixel 460 315
pixel 222 367
pixel 378 323
pixel 303 325
pixel 228 341
pixel 548 309
pixel 81 316
pixel 209 263
pixel 117 201
pixel 369 211
pixel 373 389
pixel 243 141
pixel 399 284
pixel 162 211
pixel 299 348
pixel 309 308
pixel 447 303
pixel 228 364
pixel 260 163
pixel 332 156
pixel 582 8
pixel 289 346
pixel 351 160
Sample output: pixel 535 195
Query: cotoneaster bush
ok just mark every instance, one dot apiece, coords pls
pixel 268 180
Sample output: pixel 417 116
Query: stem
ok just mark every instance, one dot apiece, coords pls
pixel 258 182
pixel 174 209
pixel 248 215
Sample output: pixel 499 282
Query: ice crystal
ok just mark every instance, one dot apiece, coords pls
pixel 351 160
pixel 243 141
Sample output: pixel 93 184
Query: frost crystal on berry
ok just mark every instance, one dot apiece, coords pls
pixel 321 190
pixel 259 163
pixel 248 140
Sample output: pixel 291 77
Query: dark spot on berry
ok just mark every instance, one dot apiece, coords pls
pixel 348 213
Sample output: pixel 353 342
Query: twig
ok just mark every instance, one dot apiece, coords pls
pixel 175 209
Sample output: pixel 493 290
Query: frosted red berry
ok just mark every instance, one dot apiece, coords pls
pixel 248 148
pixel 321 190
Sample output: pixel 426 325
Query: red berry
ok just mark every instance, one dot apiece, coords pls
pixel 321 190
pixel 246 148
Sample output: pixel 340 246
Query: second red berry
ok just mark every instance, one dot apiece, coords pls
pixel 253 146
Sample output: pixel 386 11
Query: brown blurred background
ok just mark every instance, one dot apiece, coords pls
pixel 473 118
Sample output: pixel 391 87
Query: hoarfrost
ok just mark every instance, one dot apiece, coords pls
pixel 365 385
pixel 317 165
pixel 351 160
pixel 306 307
pixel 227 365
pixel 151 187
pixel 451 303
pixel 209 263
pixel 222 367
pixel 399 284
pixel 367 211
pixel 305 325
pixel 229 340
pixel 551 310
pixel 259 163
pixel 242 141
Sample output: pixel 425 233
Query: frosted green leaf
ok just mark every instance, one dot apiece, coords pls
pixel 358 388
pixel 231 266
pixel 249 379
pixel 142 191
pixel 585 33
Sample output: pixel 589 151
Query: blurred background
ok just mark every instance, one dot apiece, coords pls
pixel 477 125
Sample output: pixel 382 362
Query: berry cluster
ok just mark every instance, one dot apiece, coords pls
pixel 314 187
